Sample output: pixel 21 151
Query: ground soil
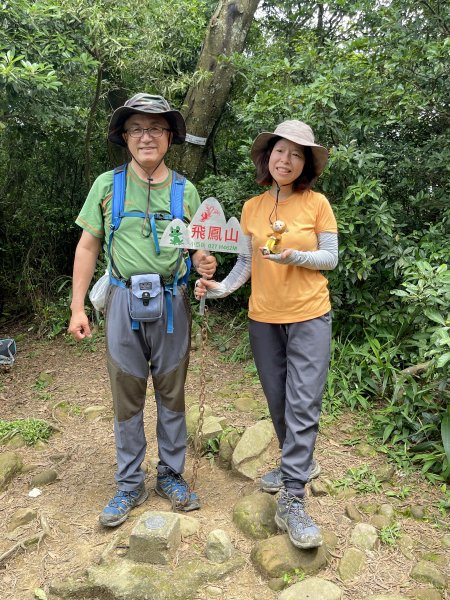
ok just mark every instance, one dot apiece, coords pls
pixel 82 452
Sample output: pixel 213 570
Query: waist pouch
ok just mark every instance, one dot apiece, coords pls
pixel 145 297
pixel 7 351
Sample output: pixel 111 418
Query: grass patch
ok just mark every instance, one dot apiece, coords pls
pixel 31 430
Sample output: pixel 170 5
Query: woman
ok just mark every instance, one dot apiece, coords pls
pixel 289 306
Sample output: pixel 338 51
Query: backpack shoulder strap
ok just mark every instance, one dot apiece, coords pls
pixel 117 208
pixel 118 196
pixel 177 195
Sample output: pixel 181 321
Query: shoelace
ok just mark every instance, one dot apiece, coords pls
pixel 296 508
pixel 180 489
pixel 120 499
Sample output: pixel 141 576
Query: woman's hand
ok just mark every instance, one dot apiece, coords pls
pixel 202 286
pixel 285 257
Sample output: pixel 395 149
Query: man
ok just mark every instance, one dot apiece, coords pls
pixel 147 126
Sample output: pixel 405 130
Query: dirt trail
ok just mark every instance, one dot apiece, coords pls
pixel 82 453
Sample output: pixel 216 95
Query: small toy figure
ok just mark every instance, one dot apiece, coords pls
pixel 273 243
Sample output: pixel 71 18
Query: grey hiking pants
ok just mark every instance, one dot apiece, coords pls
pixel 131 355
pixel 292 362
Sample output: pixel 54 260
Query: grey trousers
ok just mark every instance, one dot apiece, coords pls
pixel 292 362
pixel 131 356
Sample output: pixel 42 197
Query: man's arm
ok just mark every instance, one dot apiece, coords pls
pixel 86 254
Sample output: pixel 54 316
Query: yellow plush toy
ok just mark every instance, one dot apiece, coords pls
pixel 273 243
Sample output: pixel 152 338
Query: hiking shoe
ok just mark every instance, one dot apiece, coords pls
pixel 173 487
pixel 117 509
pixel 272 482
pixel 291 516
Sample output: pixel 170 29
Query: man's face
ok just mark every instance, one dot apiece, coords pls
pixel 148 150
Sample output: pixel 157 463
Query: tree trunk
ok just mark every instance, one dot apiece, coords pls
pixel 206 99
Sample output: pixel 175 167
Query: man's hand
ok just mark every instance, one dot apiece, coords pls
pixel 79 326
pixel 205 264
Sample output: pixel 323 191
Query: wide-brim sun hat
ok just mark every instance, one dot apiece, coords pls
pixel 146 104
pixel 297 132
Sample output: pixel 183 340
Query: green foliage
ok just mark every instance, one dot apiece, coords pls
pixel 31 430
pixel 294 576
pixel 390 534
pixel 360 479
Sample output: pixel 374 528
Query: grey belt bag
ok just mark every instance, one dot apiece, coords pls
pixel 145 297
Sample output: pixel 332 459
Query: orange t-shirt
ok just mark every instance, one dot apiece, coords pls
pixel 286 293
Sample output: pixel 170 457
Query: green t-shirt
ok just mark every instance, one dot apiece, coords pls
pixel 133 250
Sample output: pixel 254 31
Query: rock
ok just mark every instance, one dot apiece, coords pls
pixel 380 521
pixel 141 581
pixel 10 465
pixel 318 488
pixel 228 443
pixel 364 536
pixel 387 510
pixel 213 592
pixel 330 539
pixel 44 478
pixel 219 548
pixel 369 508
pixel 16 442
pixel 353 561
pixel 210 430
pixel 155 538
pixel 21 517
pixel 385 472
pixel 425 594
pixel 426 572
pixel 417 511
pixel 386 597
pixel 94 411
pixel 346 494
pixel 276 584
pixel 276 556
pixel 446 540
pixel 352 512
pixel 312 588
pixel 435 558
pixel 188 525
pixel 251 450
pixel 254 515
pixel 192 418
pixel 365 450
pixel 406 545
pixel 40 445
pixel 246 402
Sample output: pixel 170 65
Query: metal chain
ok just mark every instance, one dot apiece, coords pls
pixel 198 439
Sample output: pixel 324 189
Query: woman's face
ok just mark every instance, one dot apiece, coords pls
pixel 286 162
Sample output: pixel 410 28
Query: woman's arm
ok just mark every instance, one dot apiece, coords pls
pixel 323 259
pixel 236 278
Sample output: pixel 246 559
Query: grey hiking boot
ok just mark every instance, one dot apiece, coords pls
pixel 271 482
pixel 291 516
pixel 118 508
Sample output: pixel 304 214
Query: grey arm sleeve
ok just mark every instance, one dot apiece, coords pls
pixel 323 259
pixel 238 275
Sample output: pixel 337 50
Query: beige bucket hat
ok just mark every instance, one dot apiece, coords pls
pixel 146 104
pixel 297 132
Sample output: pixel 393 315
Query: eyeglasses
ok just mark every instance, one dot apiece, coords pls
pixel 137 132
